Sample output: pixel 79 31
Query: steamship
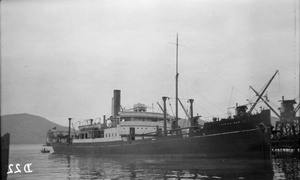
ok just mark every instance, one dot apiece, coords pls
pixel 139 132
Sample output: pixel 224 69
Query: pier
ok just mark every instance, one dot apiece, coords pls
pixel 285 139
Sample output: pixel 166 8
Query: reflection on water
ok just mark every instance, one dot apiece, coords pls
pixel 145 167
pixel 287 168
pixel 58 166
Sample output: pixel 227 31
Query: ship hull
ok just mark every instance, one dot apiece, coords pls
pixel 5 142
pixel 252 143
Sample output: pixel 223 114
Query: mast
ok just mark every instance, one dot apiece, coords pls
pixel 176 93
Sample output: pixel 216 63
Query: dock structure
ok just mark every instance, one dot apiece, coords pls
pixel 285 135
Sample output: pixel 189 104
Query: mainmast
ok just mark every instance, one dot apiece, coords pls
pixel 176 93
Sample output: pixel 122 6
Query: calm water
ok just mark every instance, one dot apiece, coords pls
pixel 57 166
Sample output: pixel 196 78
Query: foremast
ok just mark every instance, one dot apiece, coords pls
pixel 176 89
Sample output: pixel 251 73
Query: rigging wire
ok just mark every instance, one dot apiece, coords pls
pixel 279 81
pixel 161 85
pixel 273 104
pixel 203 97
pixel 297 97
pixel 230 97
pixel 170 87
pixel 215 72
pixel 171 108
pixel 203 108
pixel 228 111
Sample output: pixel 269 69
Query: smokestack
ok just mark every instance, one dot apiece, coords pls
pixel 116 103
pixel 192 114
pixel 104 121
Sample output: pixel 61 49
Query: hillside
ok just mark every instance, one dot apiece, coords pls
pixel 27 128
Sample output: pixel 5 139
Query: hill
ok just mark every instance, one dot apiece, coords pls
pixel 27 128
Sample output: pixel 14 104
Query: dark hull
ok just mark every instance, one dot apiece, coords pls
pixel 246 143
pixel 246 137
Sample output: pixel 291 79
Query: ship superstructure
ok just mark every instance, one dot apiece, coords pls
pixel 126 125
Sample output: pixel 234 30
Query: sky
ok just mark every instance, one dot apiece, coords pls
pixel 62 59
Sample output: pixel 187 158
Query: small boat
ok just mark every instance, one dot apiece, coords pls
pixel 44 150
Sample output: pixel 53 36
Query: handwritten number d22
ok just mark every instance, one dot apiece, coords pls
pixel 26 168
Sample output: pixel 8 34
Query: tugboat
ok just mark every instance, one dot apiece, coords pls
pixel 139 132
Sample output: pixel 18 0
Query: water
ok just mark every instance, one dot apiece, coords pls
pixel 57 166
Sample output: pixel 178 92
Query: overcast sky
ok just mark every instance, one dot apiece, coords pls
pixel 62 59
